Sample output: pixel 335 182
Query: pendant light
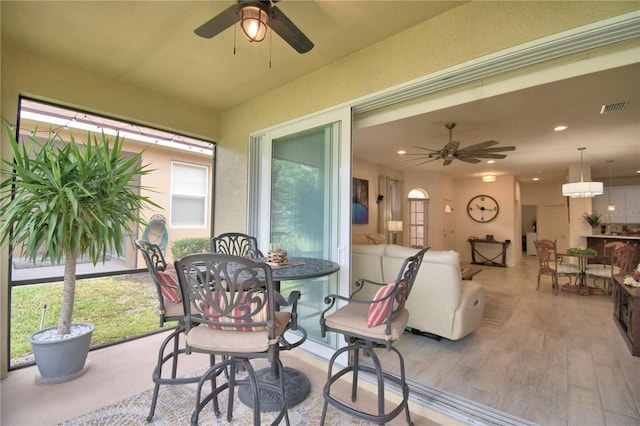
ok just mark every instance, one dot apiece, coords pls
pixel 611 207
pixel 582 189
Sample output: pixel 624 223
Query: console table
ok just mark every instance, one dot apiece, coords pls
pixel 486 260
pixel 626 313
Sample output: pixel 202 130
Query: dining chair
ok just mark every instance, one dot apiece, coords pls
pixel 170 308
pixel 620 263
pixel 239 244
pixel 230 311
pixel 236 244
pixel 551 264
pixel 366 325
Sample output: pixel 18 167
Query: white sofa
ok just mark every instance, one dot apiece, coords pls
pixel 440 303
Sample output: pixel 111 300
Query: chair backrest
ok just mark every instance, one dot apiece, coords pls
pixel 236 244
pixel 406 278
pixel 622 257
pixel 166 286
pixel 226 292
pixel 547 256
pixel 152 254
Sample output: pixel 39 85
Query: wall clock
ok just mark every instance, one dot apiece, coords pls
pixel 483 208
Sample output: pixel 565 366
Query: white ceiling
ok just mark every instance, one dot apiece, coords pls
pixel 151 44
pixel 526 119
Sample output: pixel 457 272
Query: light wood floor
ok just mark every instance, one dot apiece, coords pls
pixel 556 360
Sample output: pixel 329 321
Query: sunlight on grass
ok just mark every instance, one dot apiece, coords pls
pixel 120 307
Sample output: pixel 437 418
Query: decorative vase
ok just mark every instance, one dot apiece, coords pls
pixel 61 358
pixel 596 230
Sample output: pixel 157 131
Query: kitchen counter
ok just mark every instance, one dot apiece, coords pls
pixel 597 243
pixel 615 237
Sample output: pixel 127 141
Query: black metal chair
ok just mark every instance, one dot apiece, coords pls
pixel 236 244
pixel 366 325
pixel 239 244
pixel 230 311
pixel 170 308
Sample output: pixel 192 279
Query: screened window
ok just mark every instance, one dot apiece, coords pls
pixel 189 194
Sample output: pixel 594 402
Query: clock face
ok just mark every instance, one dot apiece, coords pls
pixel 482 208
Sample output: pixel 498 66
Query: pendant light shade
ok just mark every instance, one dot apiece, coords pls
pixel 254 22
pixel 582 189
pixel 611 207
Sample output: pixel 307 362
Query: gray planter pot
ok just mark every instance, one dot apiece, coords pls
pixel 61 359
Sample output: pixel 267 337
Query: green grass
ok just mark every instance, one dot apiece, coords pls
pixel 120 307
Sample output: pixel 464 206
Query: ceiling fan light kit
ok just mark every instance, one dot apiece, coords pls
pixel 254 22
pixel 582 189
pixel 255 17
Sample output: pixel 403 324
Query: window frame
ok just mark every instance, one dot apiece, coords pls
pixel 205 196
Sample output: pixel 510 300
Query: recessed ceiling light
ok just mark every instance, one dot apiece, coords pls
pixel 535 179
pixel 491 161
pixel 402 152
pixel 560 128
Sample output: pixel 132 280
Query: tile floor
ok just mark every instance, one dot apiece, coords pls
pixel 557 360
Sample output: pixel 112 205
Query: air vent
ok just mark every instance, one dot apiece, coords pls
pixel 612 107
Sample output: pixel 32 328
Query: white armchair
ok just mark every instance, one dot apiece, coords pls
pixel 441 303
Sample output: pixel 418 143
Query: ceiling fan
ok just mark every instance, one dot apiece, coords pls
pixel 255 17
pixel 471 154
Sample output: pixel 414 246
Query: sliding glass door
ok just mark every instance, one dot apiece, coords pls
pixel 299 188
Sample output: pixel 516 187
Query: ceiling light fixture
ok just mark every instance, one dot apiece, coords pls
pixel 611 207
pixel 582 189
pixel 489 178
pixel 254 22
pixel 560 128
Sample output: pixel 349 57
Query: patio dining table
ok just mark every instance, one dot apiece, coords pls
pixel 297 385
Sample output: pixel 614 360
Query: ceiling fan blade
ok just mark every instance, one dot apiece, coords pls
pixel 286 29
pixel 481 145
pixel 499 149
pixel 426 149
pixel 428 161
pixel 219 23
pixel 486 155
pixel 468 160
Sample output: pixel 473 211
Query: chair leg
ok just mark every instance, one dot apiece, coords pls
pixel 157 371
pixel 380 416
pixel 213 371
pixel 355 364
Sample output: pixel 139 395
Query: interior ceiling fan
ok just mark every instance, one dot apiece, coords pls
pixel 255 17
pixel 470 154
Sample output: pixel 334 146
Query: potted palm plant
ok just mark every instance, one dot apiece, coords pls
pixel 61 200
pixel 593 219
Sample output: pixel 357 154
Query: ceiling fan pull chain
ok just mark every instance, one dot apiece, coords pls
pixel 270 44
